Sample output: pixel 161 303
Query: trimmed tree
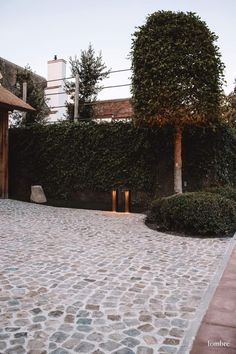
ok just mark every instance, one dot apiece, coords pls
pixel 177 75
pixel 230 107
pixel 92 70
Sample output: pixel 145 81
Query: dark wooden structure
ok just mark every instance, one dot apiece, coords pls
pixel 8 102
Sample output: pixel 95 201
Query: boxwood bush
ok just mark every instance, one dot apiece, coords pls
pixel 196 213
pixel 227 192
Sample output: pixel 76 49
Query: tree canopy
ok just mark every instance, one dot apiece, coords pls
pixel 35 97
pixel 230 107
pixel 177 70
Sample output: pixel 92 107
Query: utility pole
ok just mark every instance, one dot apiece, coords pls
pixel 76 107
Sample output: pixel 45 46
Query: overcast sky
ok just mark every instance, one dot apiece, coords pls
pixel 32 32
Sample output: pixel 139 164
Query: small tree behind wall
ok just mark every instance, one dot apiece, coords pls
pixel 92 70
pixel 35 97
pixel 177 75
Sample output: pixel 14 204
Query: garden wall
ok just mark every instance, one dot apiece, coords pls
pixel 79 164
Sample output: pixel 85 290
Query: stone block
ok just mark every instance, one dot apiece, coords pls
pixel 37 195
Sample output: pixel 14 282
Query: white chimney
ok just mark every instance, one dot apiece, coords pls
pixel 55 89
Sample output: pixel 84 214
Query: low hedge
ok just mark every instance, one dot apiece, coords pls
pixel 226 192
pixel 196 213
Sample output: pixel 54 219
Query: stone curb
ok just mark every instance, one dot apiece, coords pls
pixel 191 333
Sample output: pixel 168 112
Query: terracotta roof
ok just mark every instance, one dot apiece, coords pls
pixel 116 109
pixel 10 102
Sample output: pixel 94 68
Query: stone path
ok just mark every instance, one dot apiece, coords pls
pixel 79 281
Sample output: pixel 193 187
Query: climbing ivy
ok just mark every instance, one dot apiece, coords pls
pixel 66 158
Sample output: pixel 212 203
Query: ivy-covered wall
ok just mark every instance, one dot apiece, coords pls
pixel 67 159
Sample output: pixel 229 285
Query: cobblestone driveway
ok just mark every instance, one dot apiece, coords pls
pixel 79 281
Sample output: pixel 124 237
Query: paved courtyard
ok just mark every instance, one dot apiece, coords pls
pixel 79 281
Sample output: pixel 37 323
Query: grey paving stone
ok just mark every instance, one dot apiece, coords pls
pixel 4 336
pixel 146 328
pixel 69 319
pixel 176 332
pixel 52 346
pixel 92 307
pixel 84 347
pixel 130 342
pixel 96 277
pixel 70 343
pixel 59 351
pixel 150 340
pixel 167 350
pixel 114 317
pixel 84 321
pixel 95 337
pixel 178 322
pixel 3 345
pixel 65 327
pixel 163 332
pixel 83 313
pixel 17 341
pixel 20 334
pixel 12 329
pixel 145 350
pixel 171 341
pixel 124 351
pixel 58 337
pixel 36 311
pixel 117 336
pixel 145 318
pixel 109 346
pixel 132 332
pixel 56 313
pixel 18 349
pixel 39 318
pixel 84 328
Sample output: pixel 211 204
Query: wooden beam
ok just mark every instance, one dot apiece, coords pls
pixel 3 154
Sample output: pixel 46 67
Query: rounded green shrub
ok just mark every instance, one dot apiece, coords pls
pixel 196 213
pixel 226 192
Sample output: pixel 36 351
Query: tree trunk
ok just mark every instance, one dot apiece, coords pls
pixel 178 160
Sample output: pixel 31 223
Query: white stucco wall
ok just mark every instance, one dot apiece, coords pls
pixel 57 72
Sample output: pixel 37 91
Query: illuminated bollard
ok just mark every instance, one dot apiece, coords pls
pixel 120 200
pixel 127 201
pixel 114 200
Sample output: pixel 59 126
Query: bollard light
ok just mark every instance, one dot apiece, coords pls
pixel 127 201
pixel 114 200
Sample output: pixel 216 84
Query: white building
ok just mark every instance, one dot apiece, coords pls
pixel 55 91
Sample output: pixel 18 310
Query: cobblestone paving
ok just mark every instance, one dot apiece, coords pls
pixel 79 281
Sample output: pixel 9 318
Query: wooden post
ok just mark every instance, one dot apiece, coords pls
pixel 3 154
pixel 24 97
pixel 76 106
